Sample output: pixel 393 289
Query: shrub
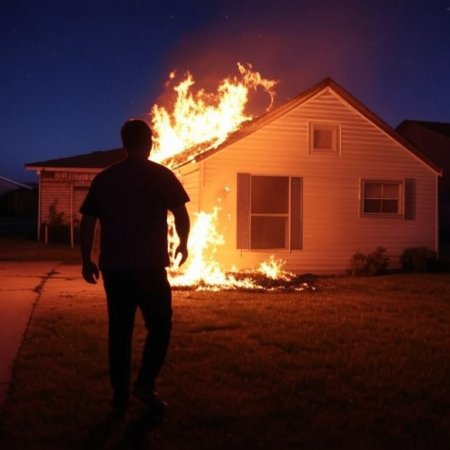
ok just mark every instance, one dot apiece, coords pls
pixel 54 217
pixel 374 263
pixel 418 259
pixel 57 228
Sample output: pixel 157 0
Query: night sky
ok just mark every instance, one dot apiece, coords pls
pixel 73 71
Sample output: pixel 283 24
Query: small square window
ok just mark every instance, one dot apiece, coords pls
pixel 324 138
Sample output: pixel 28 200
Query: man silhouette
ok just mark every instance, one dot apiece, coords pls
pixel 131 200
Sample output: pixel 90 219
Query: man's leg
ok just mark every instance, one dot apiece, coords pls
pixel 121 314
pixel 156 306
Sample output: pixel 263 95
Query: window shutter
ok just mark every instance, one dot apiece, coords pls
pixel 243 211
pixel 410 199
pixel 296 212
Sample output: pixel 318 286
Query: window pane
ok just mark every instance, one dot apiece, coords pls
pixel 270 195
pixel 390 206
pixel 269 232
pixel 390 190
pixel 372 190
pixel 323 139
pixel 372 206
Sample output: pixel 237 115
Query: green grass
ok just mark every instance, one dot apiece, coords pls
pixel 362 363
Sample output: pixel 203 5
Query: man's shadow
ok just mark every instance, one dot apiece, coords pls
pixel 122 433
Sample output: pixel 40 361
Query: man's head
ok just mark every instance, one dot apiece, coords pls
pixel 136 138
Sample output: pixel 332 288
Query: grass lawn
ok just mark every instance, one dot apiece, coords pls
pixel 362 363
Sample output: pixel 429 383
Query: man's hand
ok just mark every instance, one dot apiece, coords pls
pixel 183 251
pixel 182 225
pixel 90 272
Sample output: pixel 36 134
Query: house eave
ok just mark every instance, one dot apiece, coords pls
pixel 64 169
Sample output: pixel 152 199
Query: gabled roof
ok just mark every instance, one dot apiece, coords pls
pixel 265 119
pixel 102 159
pixel 94 160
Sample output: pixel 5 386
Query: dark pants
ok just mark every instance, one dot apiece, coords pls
pixel 150 292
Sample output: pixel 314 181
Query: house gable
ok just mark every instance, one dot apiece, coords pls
pixel 325 86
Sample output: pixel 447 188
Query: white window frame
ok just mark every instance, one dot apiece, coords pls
pixel 400 198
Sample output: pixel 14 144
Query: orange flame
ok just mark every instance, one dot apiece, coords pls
pixel 204 117
pixel 202 269
pixel 204 120
pixel 273 269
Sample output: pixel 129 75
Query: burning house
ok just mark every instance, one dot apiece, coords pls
pixel 311 183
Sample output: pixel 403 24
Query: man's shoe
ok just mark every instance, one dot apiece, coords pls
pixel 151 399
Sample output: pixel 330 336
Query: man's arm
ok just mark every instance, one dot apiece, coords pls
pixel 89 268
pixel 182 225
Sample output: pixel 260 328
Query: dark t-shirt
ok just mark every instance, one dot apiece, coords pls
pixel 131 200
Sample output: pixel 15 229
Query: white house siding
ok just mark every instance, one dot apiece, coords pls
pixel 68 189
pixel 57 193
pixel 190 178
pixel 333 229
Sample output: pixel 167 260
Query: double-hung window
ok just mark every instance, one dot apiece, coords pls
pixel 382 197
pixel 268 212
pixel 389 198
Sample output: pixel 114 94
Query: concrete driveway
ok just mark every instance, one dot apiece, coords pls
pixel 21 284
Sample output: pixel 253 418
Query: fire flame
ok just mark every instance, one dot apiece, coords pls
pixel 200 121
pixel 204 271
pixel 204 117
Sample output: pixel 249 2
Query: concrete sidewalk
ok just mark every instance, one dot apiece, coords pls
pixel 20 286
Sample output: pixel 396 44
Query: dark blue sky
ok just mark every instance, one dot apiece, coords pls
pixel 73 71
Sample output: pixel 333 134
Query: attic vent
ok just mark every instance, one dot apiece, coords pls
pixel 324 138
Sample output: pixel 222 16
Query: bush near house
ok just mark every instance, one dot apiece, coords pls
pixel 374 263
pixel 419 259
pixel 57 228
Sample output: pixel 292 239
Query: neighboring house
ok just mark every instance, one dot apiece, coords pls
pixel 433 139
pixel 16 199
pixel 311 182
pixel 63 185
